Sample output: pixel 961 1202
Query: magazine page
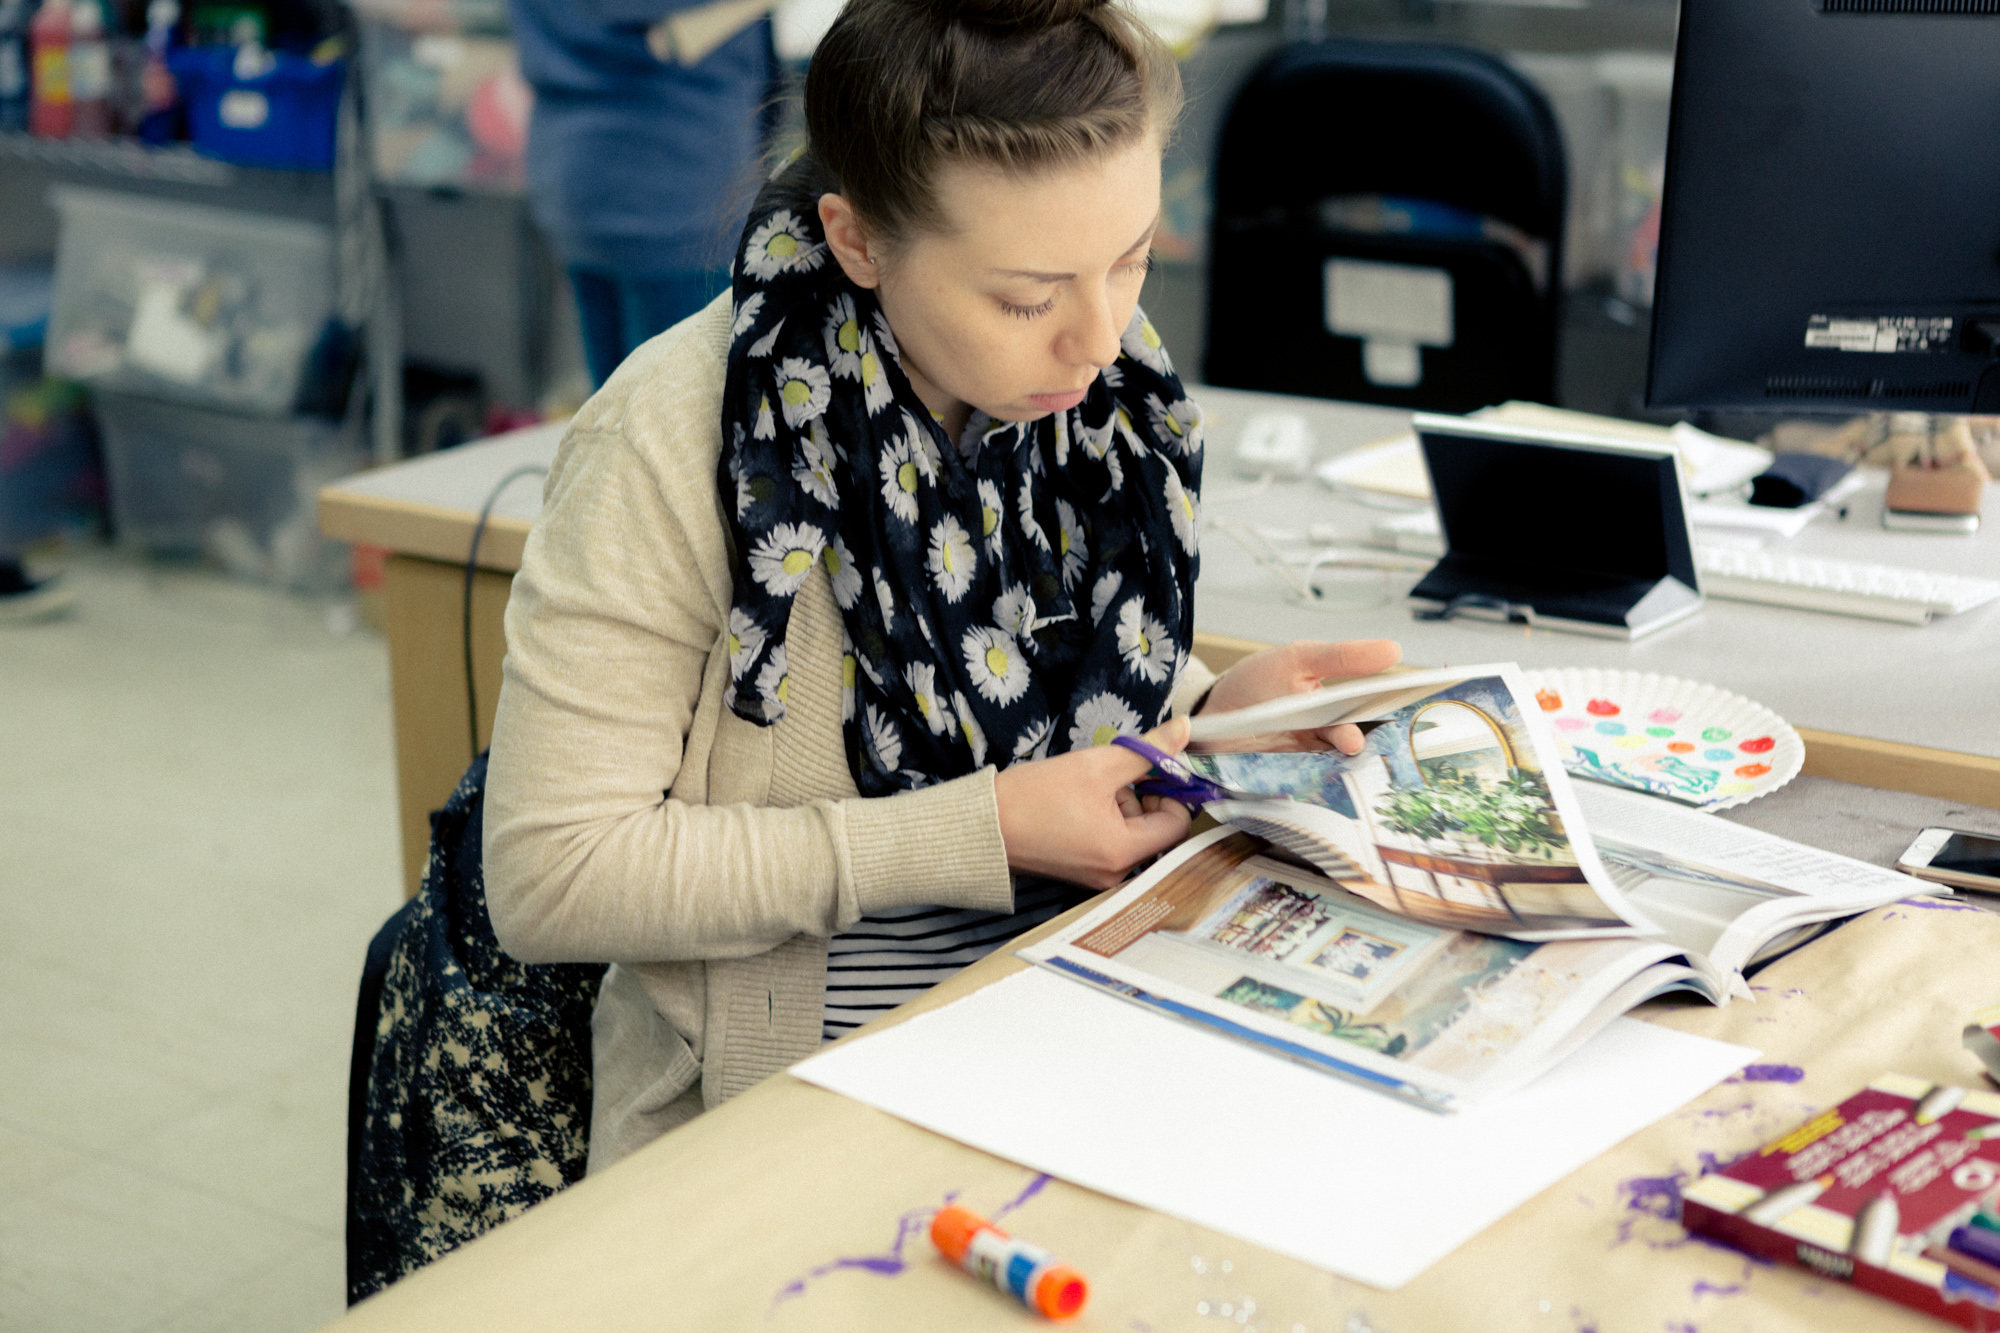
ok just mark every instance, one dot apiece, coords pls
pixel 1723 890
pixel 1227 934
pixel 1456 812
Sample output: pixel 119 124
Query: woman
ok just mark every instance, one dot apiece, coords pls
pixel 840 589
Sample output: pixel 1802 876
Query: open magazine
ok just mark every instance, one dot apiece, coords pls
pixel 1443 915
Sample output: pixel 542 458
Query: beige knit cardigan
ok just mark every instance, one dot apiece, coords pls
pixel 631 818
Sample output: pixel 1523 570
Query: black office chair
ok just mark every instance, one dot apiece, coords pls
pixel 1388 229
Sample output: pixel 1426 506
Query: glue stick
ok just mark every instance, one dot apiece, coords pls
pixel 1027 1272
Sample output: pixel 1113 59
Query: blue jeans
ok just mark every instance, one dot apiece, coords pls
pixel 619 310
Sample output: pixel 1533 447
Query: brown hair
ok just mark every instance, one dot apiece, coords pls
pixel 897 88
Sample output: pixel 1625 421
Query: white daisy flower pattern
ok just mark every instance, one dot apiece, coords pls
pixel 992 515
pixel 1180 423
pixel 764 345
pixel 813 470
pixel 746 640
pixel 841 572
pixel 1143 643
pixel 1071 543
pixel 994 661
pixel 780 244
pixel 1142 343
pixel 746 314
pixel 900 478
pixel 845 340
pixel 1100 596
pixel 975 735
pixel 1181 511
pixel 767 425
pixel 885 598
pixel 785 556
pixel 950 558
pixel 884 743
pixel 774 683
pixel 804 390
pixel 1031 529
pixel 1034 740
pixel 1099 718
pixel 1014 611
pixel 921 677
pixel 875 391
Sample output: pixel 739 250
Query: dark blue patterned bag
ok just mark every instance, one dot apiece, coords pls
pixel 469 1095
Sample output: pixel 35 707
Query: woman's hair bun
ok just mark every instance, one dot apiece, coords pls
pixel 1016 16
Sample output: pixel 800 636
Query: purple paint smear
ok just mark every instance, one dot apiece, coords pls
pixel 890 1262
pixel 1702 1289
pixel 1767 1074
pixel 1939 905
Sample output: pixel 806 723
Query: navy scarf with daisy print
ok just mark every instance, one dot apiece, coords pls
pixel 1025 593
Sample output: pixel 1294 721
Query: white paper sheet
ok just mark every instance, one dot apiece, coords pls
pixel 1098 1092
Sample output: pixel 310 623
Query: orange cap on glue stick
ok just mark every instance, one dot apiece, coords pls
pixel 1027 1272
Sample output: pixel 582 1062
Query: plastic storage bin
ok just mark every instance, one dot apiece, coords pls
pixel 241 490
pixel 175 300
pixel 260 108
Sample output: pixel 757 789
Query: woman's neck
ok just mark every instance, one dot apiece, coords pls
pixel 949 411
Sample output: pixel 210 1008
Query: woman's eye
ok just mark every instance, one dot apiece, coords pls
pixel 1141 266
pixel 1028 311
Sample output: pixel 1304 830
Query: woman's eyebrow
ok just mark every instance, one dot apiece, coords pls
pixel 1144 239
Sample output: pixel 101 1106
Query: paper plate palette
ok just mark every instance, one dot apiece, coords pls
pixel 1690 742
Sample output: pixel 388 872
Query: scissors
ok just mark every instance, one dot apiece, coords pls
pixel 1175 780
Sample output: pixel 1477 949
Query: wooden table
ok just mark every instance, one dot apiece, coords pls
pixel 1900 707
pixel 793 1208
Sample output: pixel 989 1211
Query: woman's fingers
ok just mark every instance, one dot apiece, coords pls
pixel 1354 657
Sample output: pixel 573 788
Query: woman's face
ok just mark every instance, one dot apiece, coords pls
pixel 1017 305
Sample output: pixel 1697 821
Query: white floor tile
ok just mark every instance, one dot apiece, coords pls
pixel 197 839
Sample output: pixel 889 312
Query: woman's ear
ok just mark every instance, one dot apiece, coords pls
pixel 847 240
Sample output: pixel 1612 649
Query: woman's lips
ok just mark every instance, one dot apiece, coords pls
pixel 1057 402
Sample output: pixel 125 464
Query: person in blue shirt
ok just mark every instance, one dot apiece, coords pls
pixel 635 162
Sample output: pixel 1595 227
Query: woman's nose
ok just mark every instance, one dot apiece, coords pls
pixel 1093 337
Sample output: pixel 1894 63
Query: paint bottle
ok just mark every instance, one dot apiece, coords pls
pixel 159 120
pixel 1026 1272
pixel 89 70
pixel 51 111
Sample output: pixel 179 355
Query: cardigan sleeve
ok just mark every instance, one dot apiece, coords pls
pixel 619 606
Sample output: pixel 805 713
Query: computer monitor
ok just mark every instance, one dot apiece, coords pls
pixel 1830 231
pixel 1555 528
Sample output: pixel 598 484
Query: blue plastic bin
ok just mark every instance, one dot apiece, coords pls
pixel 282 116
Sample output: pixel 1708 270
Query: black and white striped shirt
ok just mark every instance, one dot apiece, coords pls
pixel 896 956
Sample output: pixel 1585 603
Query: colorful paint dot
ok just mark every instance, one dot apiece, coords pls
pixel 1719 756
pixel 1632 742
pixel 1612 729
pixel 1659 731
pixel 1753 770
pixel 1664 716
pixel 1571 724
pixel 1761 745
pixel 1601 708
pixel 1679 747
pixel 1716 734
pixel 1549 700
pixel 1734 788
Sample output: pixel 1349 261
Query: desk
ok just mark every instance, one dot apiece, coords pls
pixel 793 1208
pixel 1845 683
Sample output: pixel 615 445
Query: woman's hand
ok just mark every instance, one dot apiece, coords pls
pixel 1296 668
pixel 1075 816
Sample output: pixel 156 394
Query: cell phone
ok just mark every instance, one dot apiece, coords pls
pixel 1955 857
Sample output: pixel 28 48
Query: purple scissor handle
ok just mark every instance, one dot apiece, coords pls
pixel 1175 780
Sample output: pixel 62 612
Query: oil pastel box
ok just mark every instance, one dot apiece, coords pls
pixel 1894 1191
